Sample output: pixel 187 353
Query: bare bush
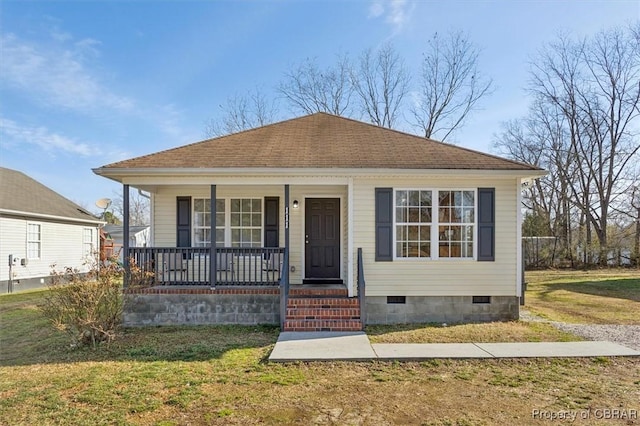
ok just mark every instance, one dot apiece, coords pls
pixel 88 306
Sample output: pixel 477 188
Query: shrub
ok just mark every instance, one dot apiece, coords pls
pixel 88 306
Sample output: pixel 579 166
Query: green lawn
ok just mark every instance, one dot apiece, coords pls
pixel 589 297
pixel 218 375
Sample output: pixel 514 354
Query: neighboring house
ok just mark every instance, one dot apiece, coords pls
pixel 438 227
pixel 40 228
pixel 139 236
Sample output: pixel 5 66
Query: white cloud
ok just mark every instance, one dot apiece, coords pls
pixel 376 9
pixel 63 74
pixel 394 12
pixel 18 135
pixel 57 74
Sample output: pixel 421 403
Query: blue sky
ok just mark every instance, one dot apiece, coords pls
pixel 84 84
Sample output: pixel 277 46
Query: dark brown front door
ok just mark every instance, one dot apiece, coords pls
pixel 322 238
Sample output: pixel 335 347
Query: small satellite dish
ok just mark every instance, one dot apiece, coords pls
pixel 103 203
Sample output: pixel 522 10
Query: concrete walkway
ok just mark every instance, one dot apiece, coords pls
pixel 355 346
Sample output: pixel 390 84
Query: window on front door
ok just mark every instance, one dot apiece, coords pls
pixel 238 222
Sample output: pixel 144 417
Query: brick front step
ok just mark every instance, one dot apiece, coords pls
pixel 318 313
pixel 323 302
pixel 313 313
pixel 318 291
pixel 322 325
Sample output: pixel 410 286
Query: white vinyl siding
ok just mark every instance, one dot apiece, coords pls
pixel 437 276
pixel 61 244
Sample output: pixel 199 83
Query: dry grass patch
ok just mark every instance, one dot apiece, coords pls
pixel 495 332
pixel 588 297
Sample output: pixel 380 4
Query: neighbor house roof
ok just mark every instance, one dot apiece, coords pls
pixel 117 230
pixel 20 194
pixel 320 141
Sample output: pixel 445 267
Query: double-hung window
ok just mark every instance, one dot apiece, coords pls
pixel 413 223
pixel 434 224
pixel 87 242
pixel 34 241
pixel 202 222
pixel 246 222
pixel 456 219
pixel 238 222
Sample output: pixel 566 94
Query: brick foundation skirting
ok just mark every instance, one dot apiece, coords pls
pixel 201 290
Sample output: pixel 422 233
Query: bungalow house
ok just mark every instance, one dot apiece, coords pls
pixel 326 223
pixel 39 228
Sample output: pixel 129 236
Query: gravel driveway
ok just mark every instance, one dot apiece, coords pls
pixel 627 335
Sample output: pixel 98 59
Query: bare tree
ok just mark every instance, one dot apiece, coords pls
pixel 596 84
pixel 538 139
pixel 451 85
pixel 139 208
pixel 241 112
pixel 584 125
pixel 381 82
pixel 309 89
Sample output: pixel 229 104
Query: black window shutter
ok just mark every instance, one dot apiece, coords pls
pixel 183 222
pixel 384 224
pixel 271 221
pixel 486 224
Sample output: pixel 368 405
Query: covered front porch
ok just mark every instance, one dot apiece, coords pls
pixel 237 252
pixel 241 231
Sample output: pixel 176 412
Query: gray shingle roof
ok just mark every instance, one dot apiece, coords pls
pixel 20 193
pixel 321 141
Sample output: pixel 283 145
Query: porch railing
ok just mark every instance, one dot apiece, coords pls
pixel 361 288
pixel 233 266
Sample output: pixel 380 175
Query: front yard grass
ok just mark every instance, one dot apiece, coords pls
pixel 608 296
pixel 495 332
pixel 218 375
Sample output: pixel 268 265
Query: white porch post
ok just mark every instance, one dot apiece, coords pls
pixel 350 250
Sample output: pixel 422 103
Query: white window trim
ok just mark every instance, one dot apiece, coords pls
pixel 91 242
pixel 27 241
pixel 227 220
pixel 435 204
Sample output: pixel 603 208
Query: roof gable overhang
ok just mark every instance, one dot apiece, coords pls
pixel 284 175
pixel 16 213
